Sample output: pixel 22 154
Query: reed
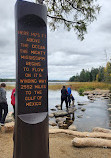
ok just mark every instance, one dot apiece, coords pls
pixel 84 85
pixel 9 87
pixel 76 86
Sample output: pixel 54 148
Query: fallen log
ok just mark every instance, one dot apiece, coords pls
pixel 98 129
pixel 91 142
pixel 82 134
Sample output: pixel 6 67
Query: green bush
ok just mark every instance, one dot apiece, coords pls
pixel 80 91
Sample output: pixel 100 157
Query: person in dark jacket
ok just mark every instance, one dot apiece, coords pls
pixel 3 104
pixel 64 97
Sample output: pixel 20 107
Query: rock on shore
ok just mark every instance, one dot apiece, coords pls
pixel 98 93
pixel 8 127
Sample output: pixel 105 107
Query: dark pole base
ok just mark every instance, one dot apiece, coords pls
pixel 32 140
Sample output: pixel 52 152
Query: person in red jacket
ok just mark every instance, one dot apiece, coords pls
pixel 13 100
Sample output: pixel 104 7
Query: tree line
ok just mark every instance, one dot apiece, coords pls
pixel 7 80
pixel 101 74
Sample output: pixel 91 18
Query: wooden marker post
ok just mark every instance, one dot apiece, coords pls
pixel 31 122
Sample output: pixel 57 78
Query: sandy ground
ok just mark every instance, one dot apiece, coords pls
pixel 60 147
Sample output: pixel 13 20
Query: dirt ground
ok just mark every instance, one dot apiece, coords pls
pixel 60 147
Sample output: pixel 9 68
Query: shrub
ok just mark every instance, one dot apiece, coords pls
pixel 80 91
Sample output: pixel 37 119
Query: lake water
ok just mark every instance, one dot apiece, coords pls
pixel 95 115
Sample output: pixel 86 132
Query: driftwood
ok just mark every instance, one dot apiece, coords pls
pixel 91 142
pixel 98 129
pixel 82 134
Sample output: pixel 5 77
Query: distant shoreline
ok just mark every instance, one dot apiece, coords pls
pixel 78 86
pixel 14 80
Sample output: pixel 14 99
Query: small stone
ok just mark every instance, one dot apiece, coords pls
pixel 109 109
pixel 52 123
pixel 59 119
pixel 109 104
pixel 71 110
pixel 79 116
pixel 53 109
pixel 57 106
pixel 83 109
pixel 106 97
pixel 90 96
pixel 92 99
pixel 62 125
pixel 8 127
pixel 72 127
pixel 98 96
pixel 70 121
pixel 80 103
pixel 51 115
pixel 65 126
pixel 60 113
pixel 86 92
pixel 68 118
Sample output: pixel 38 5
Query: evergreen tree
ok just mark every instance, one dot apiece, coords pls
pixel 82 76
pixel 94 72
pixel 88 74
pixel 100 75
pixel 72 79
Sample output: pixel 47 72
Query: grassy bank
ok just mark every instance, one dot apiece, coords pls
pixel 9 87
pixel 82 85
pixel 76 86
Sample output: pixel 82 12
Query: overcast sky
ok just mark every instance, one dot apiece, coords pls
pixel 66 54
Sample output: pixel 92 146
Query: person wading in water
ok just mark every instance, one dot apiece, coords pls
pixel 64 97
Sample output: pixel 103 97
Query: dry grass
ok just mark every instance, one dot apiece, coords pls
pixel 84 85
pixel 9 87
pixel 75 85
